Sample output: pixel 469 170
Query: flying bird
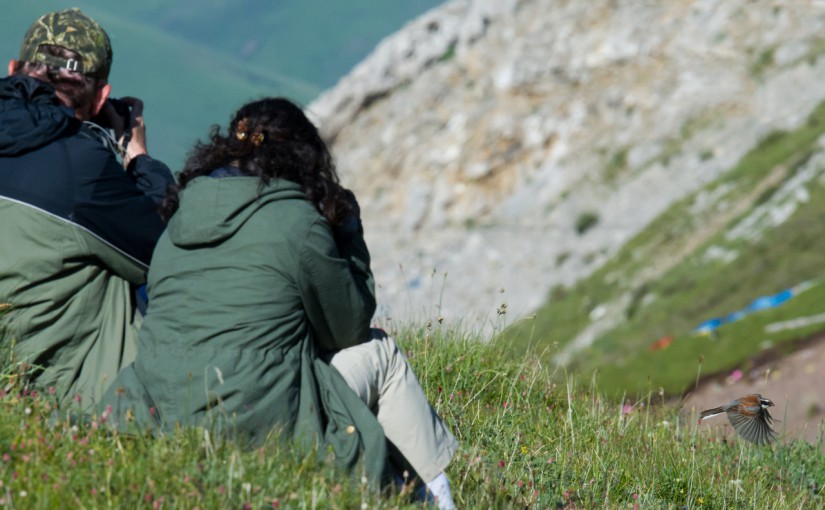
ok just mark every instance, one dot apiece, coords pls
pixel 749 416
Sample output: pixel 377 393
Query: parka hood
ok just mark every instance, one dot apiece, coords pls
pixel 213 209
pixel 32 115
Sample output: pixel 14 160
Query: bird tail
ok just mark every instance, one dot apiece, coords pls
pixel 710 413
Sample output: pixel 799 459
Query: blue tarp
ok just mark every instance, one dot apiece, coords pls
pixel 760 303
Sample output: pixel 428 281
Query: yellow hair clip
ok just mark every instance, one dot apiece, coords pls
pixel 241 129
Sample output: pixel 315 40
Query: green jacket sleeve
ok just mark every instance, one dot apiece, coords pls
pixel 337 287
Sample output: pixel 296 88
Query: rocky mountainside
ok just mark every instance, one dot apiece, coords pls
pixel 502 147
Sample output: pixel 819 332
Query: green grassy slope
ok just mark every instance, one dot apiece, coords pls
pixel 667 285
pixel 526 442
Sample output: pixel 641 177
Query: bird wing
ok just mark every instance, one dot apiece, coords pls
pixel 755 429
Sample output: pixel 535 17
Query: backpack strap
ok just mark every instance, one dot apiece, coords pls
pixel 105 137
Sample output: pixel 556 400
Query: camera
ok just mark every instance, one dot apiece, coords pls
pixel 122 109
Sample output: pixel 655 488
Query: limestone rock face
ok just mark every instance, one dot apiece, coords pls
pixel 502 147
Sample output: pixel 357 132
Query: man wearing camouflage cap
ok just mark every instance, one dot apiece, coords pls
pixel 78 209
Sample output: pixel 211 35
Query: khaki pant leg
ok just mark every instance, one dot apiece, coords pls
pixel 381 376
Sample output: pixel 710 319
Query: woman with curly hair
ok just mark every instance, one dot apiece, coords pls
pixel 260 301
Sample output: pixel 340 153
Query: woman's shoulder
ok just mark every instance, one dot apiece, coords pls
pixel 285 203
pixel 287 195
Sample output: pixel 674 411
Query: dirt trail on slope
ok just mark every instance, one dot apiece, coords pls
pixel 795 382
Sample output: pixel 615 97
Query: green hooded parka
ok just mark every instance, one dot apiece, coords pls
pixel 247 287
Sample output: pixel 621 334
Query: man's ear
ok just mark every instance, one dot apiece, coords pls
pixel 100 98
pixel 12 65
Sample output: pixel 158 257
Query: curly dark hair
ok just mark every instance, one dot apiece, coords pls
pixel 269 138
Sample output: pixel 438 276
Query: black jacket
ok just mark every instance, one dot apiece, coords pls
pixel 51 161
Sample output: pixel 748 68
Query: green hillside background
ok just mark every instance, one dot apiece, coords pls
pixel 194 62
pixel 666 285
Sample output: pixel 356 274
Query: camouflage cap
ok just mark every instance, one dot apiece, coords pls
pixel 74 31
